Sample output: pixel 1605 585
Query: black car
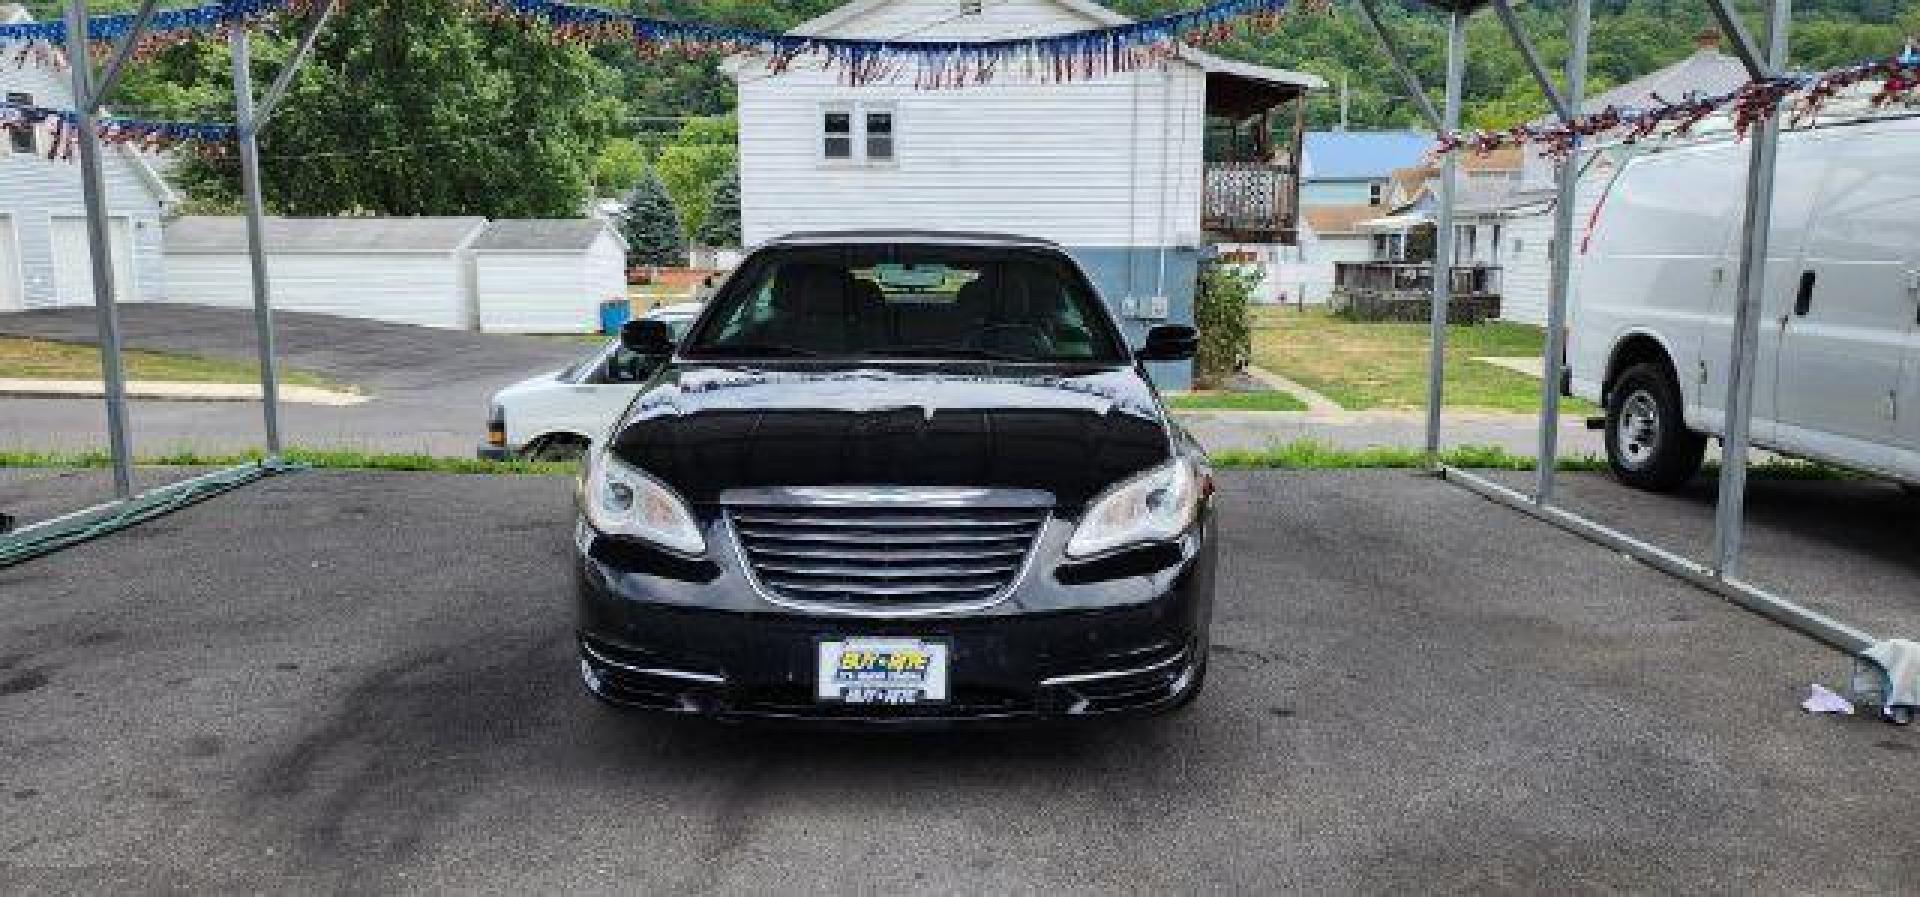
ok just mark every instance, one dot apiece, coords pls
pixel 897 478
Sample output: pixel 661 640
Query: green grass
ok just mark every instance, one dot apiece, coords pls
pixel 1304 454
pixel 326 459
pixel 1268 400
pixel 34 359
pixel 1383 364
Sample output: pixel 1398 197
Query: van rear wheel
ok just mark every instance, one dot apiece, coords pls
pixel 1648 444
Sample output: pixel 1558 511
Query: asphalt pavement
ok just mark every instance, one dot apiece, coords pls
pixel 429 387
pixel 356 682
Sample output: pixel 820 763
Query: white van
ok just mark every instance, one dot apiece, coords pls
pixel 1838 374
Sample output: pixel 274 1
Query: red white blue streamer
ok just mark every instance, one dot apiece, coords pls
pixel 1801 96
pixel 62 128
pixel 1075 55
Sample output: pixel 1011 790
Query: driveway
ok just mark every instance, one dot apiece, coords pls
pixel 430 387
pixel 346 682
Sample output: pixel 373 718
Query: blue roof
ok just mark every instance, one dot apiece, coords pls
pixel 1361 155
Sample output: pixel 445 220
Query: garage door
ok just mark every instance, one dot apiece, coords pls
pixel 73 267
pixel 12 291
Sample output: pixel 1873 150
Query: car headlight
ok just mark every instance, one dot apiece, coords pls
pixel 619 499
pixel 1152 507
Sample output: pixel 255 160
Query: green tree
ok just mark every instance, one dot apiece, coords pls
pixel 408 107
pixel 619 167
pixel 652 226
pixel 722 227
pixel 692 166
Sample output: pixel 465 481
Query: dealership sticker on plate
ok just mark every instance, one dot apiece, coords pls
pixel 883 671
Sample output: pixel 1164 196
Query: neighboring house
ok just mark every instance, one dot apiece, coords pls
pixel 44 258
pixel 548 276
pixel 1354 168
pixel 1115 169
pixel 517 276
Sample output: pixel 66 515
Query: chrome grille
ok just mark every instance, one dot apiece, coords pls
pixel 886 557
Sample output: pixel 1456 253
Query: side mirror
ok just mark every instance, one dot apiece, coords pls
pixel 644 337
pixel 1170 342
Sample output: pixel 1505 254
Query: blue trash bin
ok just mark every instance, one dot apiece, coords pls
pixel 614 313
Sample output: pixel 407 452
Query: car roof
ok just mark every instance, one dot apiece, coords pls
pixel 932 237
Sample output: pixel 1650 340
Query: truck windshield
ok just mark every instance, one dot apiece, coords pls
pixel 906 302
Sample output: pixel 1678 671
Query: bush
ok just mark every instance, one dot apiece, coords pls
pixel 1220 313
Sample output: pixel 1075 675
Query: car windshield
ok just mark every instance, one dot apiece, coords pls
pixel 908 302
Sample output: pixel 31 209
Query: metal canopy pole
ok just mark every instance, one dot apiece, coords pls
pixel 249 118
pixel 1756 233
pixel 248 137
pixel 1443 230
pixel 1559 292
pixel 99 245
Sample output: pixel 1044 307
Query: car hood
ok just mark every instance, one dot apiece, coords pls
pixel 1070 431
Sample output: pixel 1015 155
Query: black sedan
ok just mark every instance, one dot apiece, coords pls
pixel 897 478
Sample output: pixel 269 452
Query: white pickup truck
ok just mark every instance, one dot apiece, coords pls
pixel 555 416
pixel 1838 374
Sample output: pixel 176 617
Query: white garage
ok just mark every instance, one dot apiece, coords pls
pixel 73 260
pixel 547 276
pixel 12 297
pixel 404 270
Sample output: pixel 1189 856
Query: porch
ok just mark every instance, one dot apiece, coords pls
pixel 1255 121
pixel 1403 291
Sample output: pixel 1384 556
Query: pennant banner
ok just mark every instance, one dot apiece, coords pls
pixel 1897 79
pixel 61 126
pixel 1068 56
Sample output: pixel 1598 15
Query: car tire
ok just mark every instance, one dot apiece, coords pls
pixel 1648 444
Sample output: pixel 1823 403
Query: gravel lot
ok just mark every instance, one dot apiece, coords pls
pixel 343 682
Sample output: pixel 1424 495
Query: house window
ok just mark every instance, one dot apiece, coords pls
pixel 20 139
pixel 1376 193
pixel 859 134
pixel 880 135
pixel 838 128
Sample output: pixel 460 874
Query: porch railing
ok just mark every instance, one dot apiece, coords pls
pixel 1415 277
pixel 1251 201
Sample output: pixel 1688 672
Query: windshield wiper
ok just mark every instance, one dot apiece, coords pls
pixel 750 350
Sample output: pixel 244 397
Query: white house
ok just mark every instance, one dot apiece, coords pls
pixel 1115 169
pixel 44 260
pixel 516 276
pixel 548 276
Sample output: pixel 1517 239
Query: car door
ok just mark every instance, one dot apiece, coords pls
pixel 1842 335
pixel 1905 459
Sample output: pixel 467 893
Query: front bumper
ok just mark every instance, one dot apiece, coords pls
pixel 699 640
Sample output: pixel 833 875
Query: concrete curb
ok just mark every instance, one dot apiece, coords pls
pixel 165 391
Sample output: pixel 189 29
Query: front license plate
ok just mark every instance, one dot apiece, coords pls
pixel 882 671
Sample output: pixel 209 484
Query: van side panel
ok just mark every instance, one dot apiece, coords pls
pixel 1650 260
pixel 1841 349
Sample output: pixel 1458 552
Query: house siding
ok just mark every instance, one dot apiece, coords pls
pixel 35 190
pixel 1526 275
pixel 1110 168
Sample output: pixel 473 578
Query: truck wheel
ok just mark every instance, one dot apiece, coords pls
pixel 558 448
pixel 1648 444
